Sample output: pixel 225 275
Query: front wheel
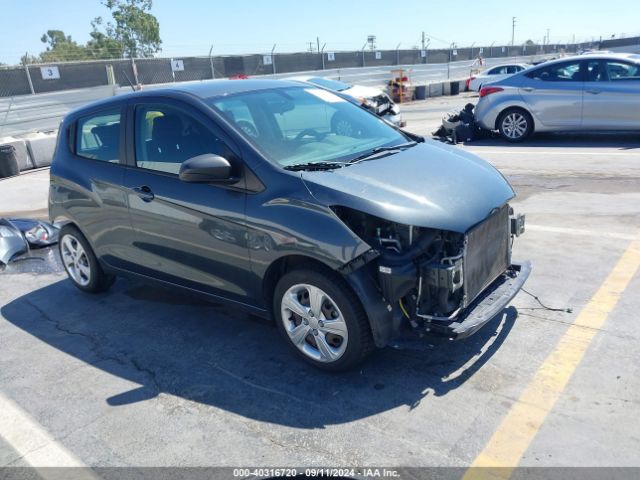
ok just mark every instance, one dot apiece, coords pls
pixel 515 125
pixel 80 262
pixel 321 319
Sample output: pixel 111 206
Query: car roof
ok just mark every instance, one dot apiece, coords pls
pixel 300 78
pixel 507 65
pixel 634 57
pixel 201 89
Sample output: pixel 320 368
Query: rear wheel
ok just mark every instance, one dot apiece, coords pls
pixel 322 319
pixel 80 262
pixel 342 125
pixel 515 125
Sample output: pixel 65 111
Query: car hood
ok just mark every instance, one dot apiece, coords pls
pixel 429 185
pixel 360 91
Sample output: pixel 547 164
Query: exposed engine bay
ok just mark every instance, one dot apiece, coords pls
pixel 431 276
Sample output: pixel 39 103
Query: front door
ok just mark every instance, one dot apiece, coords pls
pixel 554 94
pixel 612 95
pixel 191 234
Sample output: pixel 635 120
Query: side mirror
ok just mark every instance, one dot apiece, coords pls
pixel 207 168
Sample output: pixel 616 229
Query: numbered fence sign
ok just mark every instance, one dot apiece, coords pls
pixel 423 53
pixel 50 73
pixel 455 52
pixel 177 65
pixel 267 60
pixel 481 50
pixel 331 56
pixel 378 55
pixel 503 49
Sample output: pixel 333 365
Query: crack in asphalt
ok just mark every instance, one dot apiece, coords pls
pixel 126 360
pixel 122 358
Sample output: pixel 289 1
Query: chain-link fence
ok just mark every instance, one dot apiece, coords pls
pixel 21 80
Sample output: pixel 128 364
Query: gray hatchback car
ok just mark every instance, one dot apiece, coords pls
pixel 242 191
pixel 588 92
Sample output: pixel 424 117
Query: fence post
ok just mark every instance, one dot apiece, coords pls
pixel 273 59
pixel 111 78
pixel 213 72
pixel 26 70
pixel 134 67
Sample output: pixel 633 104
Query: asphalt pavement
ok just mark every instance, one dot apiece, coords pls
pixel 141 376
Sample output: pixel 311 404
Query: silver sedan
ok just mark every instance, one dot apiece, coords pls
pixel 594 92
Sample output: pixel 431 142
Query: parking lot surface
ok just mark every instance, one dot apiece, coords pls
pixel 146 377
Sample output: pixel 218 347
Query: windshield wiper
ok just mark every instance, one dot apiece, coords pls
pixel 315 166
pixel 374 152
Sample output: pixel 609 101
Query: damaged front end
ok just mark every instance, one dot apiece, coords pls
pixel 436 281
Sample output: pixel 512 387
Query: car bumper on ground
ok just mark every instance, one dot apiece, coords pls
pixel 395 119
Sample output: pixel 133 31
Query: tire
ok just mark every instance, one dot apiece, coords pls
pixel 80 262
pixel 515 125
pixel 338 344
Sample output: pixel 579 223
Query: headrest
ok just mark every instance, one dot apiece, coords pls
pixel 107 134
pixel 169 126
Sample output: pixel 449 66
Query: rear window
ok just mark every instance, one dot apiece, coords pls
pixel 98 136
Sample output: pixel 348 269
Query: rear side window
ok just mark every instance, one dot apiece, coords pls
pixel 498 71
pixel 98 136
pixel 622 71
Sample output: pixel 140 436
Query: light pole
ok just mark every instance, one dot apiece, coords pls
pixel 451 47
pixel 398 54
pixel 513 30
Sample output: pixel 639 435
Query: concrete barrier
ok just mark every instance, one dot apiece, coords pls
pixel 22 154
pixel 41 150
pixel 436 89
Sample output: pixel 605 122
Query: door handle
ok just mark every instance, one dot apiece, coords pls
pixel 528 89
pixel 144 193
pixel 593 91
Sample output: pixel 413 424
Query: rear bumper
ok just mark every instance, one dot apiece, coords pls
pixel 486 114
pixel 489 304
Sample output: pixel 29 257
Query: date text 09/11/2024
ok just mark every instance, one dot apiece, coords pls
pixel 315 472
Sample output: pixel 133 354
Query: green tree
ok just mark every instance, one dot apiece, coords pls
pixel 101 45
pixel 28 59
pixel 61 47
pixel 137 30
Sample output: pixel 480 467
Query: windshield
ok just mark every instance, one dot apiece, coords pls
pixel 298 125
pixel 330 84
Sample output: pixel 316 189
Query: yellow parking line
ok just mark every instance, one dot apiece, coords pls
pixel 518 429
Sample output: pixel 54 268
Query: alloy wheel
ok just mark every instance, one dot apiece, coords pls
pixel 314 323
pixel 75 260
pixel 344 128
pixel 515 125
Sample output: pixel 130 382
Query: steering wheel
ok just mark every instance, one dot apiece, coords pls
pixel 309 132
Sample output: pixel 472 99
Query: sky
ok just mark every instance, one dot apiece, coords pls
pixel 191 27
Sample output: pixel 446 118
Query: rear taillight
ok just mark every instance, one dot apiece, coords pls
pixel 484 91
pixel 469 81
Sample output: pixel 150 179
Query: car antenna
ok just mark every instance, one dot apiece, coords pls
pixel 128 80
